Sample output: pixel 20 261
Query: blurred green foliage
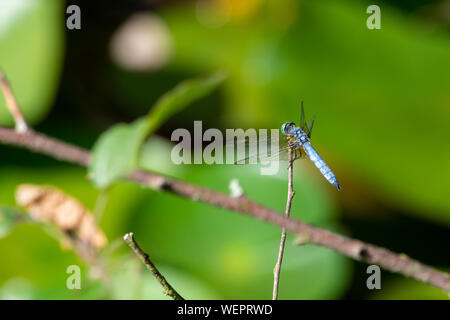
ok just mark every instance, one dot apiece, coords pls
pixel 231 256
pixel 233 252
pixel 381 96
pixel 382 103
pixel 115 153
pixel 9 218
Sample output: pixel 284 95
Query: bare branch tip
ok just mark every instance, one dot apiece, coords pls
pixel 11 104
pixel 128 236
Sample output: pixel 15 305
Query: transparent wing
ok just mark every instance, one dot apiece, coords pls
pixel 309 129
pixel 261 157
pixel 304 124
pixel 262 150
pixel 266 152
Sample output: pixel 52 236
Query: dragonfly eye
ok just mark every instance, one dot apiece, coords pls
pixel 286 127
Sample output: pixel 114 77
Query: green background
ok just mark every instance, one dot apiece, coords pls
pixel 382 102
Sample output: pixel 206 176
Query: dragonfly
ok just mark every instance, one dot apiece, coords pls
pixel 296 140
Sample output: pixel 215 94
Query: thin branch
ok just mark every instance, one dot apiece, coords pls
pixel 349 247
pixel 167 288
pixel 11 104
pixel 290 196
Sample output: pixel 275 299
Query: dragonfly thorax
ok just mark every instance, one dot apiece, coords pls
pixel 296 137
pixel 294 132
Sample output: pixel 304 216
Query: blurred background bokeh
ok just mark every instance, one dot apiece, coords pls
pixel 382 102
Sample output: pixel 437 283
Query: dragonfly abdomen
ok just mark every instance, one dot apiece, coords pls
pixel 314 156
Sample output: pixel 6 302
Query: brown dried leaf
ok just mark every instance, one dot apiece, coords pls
pixel 67 213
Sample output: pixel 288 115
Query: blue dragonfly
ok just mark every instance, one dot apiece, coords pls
pixel 295 139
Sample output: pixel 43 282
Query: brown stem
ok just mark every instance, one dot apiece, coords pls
pixel 349 247
pixel 290 196
pixel 167 288
pixel 11 104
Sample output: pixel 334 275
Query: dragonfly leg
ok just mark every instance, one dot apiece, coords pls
pixel 297 154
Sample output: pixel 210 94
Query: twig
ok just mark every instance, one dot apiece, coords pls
pixel 167 288
pixel 349 247
pixel 277 270
pixel 11 104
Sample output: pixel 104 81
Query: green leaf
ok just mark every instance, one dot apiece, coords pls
pixel 180 97
pixel 116 151
pixel 9 218
pixel 31 52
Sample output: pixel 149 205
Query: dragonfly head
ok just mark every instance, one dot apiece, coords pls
pixel 287 127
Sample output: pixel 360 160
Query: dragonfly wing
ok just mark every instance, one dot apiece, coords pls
pixel 280 155
pixel 267 150
pixel 302 117
pixel 269 154
pixel 283 154
pixel 310 126
pixel 304 124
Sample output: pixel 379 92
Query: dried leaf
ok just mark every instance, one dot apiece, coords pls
pixel 49 204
